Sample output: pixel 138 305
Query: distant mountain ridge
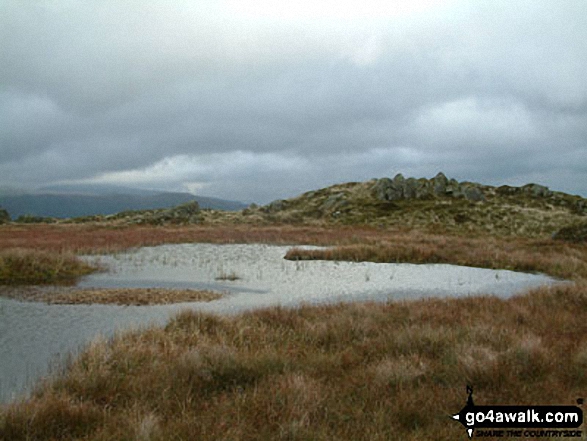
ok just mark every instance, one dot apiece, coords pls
pixel 52 203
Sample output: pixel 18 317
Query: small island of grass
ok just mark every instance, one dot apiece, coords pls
pixel 19 266
pixel 110 296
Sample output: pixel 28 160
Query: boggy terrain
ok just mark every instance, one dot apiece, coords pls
pixel 350 371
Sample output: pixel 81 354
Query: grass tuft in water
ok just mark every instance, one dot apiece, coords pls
pixel 32 267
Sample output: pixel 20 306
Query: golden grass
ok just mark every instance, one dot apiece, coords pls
pixel 354 243
pixel 95 239
pixel 111 296
pixel 26 266
pixel 546 256
pixel 347 372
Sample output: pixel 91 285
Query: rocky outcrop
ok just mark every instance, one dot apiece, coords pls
pixel 576 204
pixel 335 201
pixel 533 190
pixel 529 209
pixel 399 188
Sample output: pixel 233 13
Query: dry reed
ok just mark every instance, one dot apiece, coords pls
pixel 348 372
pixel 109 296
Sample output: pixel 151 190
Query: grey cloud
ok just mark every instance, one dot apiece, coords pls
pixel 490 91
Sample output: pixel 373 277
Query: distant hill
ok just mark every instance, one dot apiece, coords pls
pixel 97 190
pixel 437 204
pixel 66 203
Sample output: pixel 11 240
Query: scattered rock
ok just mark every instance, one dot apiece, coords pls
pixel 387 190
pixel 576 204
pixel 506 190
pixel 474 194
pixel 411 189
pixel 334 201
pixel 453 189
pixel 439 183
pixel 536 190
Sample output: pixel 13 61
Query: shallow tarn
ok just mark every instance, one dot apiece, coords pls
pixel 32 335
pixel 258 276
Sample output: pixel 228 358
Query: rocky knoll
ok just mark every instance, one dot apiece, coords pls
pixel 438 203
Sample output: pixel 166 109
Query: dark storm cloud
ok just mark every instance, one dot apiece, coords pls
pixel 200 95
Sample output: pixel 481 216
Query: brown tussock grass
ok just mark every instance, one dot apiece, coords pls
pixel 111 296
pixel 528 255
pixel 354 243
pixel 350 372
pixel 95 239
pixel 26 266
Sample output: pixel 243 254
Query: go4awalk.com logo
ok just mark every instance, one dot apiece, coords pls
pixel 520 421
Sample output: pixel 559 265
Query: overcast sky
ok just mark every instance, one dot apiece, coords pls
pixel 258 100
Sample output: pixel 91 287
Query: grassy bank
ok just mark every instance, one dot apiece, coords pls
pixel 568 261
pixel 349 372
pixel 52 244
pixel 33 267
pixel 110 296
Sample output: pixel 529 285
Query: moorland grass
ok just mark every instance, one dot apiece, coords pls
pixel 105 238
pixel 347 372
pixel 34 267
pixel 110 296
pixel 352 372
pixel 355 243
pixel 567 261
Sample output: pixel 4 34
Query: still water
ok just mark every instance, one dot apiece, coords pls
pixel 35 337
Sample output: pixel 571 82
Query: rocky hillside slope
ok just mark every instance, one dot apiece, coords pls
pixel 438 204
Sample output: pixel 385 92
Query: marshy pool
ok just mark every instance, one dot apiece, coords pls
pixel 34 336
